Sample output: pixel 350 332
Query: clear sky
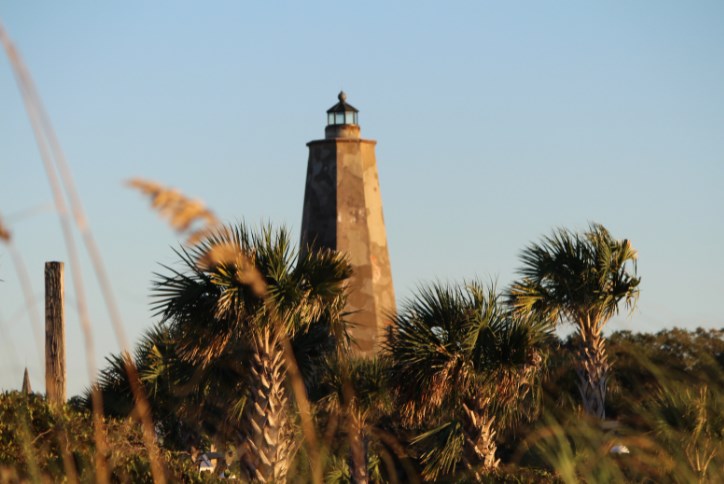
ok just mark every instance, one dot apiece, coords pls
pixel 495 122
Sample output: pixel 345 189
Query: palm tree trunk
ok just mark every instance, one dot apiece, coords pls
pixel 481 437
pixel 592 369
pixel 358 449
pixel 268 445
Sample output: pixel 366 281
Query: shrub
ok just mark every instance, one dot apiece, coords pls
pixel 43 443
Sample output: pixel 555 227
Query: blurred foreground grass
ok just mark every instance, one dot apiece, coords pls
pixel 666 407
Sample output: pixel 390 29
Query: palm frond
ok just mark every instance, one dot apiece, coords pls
pixel 445 454
pixel 576 276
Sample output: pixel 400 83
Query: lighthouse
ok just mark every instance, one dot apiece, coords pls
pixel 343 211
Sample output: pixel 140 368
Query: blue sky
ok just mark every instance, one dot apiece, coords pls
pixel 495 122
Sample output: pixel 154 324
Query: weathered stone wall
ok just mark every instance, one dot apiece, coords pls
pixel 343 211
pixel 379 254
pixel 319 226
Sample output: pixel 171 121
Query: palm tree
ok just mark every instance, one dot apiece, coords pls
pixel 243 297
pixel 580 279
pixel 463 367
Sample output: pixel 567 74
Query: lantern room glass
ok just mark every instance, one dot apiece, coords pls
pixel 347 117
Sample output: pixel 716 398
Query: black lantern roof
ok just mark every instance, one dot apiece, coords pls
pixel 342 106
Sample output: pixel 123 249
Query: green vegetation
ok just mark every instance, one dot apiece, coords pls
pixel 42 443
pixel 664 404
pixel 251 358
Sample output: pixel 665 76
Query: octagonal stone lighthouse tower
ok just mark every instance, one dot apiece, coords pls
pixel 343 211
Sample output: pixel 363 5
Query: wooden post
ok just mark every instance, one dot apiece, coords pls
pixel 54 333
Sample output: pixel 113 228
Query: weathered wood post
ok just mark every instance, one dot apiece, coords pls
pixel 54 333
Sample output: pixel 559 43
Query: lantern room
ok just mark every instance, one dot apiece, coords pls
pixel 342 113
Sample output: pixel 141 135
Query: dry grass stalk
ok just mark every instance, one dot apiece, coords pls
pixel 31 105
pixel 305 411
pixel 53 159
pixel 27 288
pixel 4 232
pixel 182 212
